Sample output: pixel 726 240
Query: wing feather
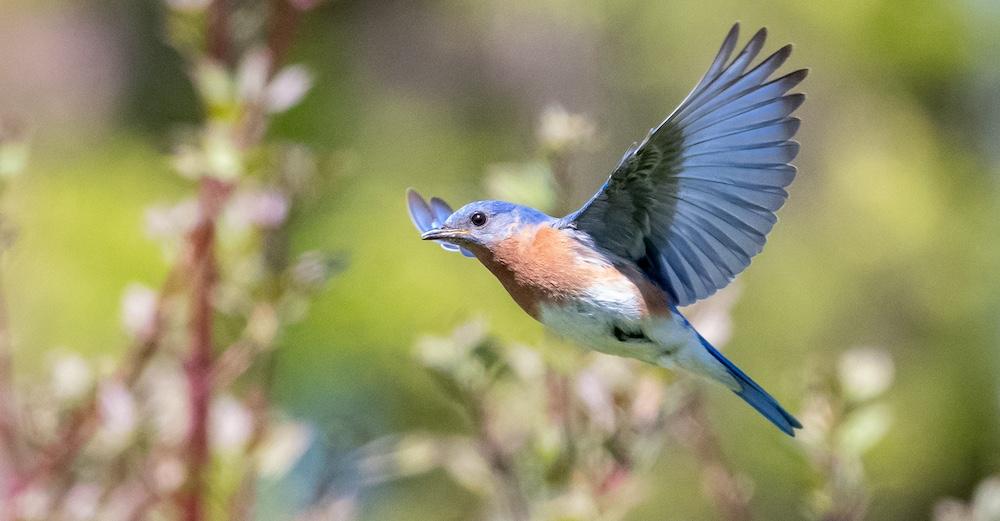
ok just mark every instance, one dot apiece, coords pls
pixel 693 203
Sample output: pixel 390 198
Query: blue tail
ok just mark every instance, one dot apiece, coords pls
pixel 756 396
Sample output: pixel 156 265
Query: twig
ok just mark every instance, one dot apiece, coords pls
pixel 284 25
pixel 60 454
pixel 217 33
pixel 202 270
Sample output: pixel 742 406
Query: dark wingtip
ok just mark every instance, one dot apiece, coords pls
pixel 761 35
pixel 734 31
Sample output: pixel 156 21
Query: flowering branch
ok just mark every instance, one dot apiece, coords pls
pixel 202 269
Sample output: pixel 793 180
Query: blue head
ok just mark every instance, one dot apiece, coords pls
pixel 484 224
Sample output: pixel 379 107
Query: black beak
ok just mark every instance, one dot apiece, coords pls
pixel 443 234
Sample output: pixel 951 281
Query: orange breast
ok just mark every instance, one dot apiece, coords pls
pixel 545 265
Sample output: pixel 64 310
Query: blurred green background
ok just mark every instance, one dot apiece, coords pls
pixel 890 237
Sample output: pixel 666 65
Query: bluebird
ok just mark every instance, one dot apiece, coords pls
pixel 679 217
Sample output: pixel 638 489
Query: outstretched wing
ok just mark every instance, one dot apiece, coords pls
pixel 694 201
pixel 427 216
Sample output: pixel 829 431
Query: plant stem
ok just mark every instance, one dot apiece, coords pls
pixel 217 32
pixel 202 270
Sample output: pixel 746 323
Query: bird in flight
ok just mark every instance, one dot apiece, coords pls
pixel 679 217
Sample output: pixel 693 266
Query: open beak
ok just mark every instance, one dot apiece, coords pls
pixel 443 234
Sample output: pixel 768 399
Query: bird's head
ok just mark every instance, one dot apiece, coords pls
pixel 484 224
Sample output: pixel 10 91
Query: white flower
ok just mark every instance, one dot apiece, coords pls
pixel 526 362
pixel 597 397
pixel 283 445
pixel 71 376
pixel 231 424
pixel 287 88
pixel 82 501
pixel 560 129
pixel 168 221
pixel 168 407
pixel 168 475
pixel 251 76
pixel 13 158
pixel 262 208
pixel 139 307
pixel 34 503
pixel 648 401
pixel 192 6
pixel 117 411
pixel 222 155
pixel 986 501
pixel 213 83
pixel 865 372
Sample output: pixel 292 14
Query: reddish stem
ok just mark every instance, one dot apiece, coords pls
pixel 281 33
pixel 202 270
pixel 217 32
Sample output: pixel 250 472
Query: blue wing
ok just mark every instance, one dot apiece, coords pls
pixel 427 216
pixel 693 203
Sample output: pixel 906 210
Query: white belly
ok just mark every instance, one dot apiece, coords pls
pixel 591 321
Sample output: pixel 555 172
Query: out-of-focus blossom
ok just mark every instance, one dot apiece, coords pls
pixel 984 505
pixel 466 466
pixel 216 153
pixel 597 396
pixel 263 325
pixel 139 309
pixel 576 504
pixel 865 372
pixel 526 362
pixel 167 404
pixel 231 425
pixel 414 453
pixel 818 417
pixel 188 161
pixel 190 6
pixel 71 376
pixel 266 209
pixel 287 88
pixel 14 150
pixel 171 221
pixel 34 504
pixel 117 412
pixel 82 501
pixel 120 503
pixel 648 402
pixel 251 76
pixel 864 428
pixel 560 130
pixel 168 475
pixel 214 83
pixel 447 354
pixel 223 157
pixel 282 447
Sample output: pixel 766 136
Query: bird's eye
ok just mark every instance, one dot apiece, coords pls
pixel 478 218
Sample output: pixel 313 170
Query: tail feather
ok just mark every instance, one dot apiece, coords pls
pixel 755 395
